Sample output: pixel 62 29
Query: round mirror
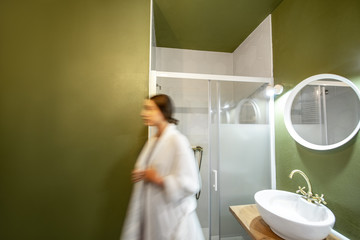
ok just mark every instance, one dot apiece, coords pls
pixel 323 111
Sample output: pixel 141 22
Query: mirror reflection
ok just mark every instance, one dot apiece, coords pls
pixel 323 111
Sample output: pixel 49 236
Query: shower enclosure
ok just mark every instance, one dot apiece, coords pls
pixel 228 117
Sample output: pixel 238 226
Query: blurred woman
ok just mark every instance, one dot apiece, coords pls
pixel 162 206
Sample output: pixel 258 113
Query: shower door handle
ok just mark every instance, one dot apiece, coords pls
pixel 215 180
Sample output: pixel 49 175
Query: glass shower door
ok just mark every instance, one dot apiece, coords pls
pixel 191 109
pixel 240 151
pixel 214 119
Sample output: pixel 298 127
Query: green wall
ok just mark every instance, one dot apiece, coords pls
pixel 73 76
pixel 312 37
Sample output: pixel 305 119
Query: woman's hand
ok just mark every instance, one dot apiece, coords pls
pixel 137 175
pixel 149 175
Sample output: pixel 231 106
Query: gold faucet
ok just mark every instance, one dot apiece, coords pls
pixel 308 195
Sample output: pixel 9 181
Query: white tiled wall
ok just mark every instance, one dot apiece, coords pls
pixel 192 61
pixel 254 56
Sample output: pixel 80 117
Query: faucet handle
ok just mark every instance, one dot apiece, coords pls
pixel 319 199
pixel 302 191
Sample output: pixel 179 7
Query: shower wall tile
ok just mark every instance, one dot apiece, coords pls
pixel 193 61
pixel 254 56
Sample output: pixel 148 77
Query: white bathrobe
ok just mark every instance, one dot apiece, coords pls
pixel 167 213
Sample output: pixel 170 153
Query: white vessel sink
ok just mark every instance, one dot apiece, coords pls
pixel 292 217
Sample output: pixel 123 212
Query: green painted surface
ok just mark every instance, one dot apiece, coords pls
pixel 312 37
pixel 210 25
pixel 73 76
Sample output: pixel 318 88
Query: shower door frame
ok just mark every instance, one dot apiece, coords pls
pixel 154 75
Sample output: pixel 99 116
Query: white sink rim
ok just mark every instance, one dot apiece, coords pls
pixel 280 223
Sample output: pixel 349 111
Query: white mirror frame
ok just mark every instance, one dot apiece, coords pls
pixel 289 102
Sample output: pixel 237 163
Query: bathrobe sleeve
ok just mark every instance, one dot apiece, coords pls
pixel 183 180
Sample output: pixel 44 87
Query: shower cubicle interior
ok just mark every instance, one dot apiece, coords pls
pixel 226 117
pixel 229 121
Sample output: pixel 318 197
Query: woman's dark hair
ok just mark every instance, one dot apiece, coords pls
pixel 164 103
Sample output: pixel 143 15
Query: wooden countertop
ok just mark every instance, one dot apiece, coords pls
pixel 249 217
